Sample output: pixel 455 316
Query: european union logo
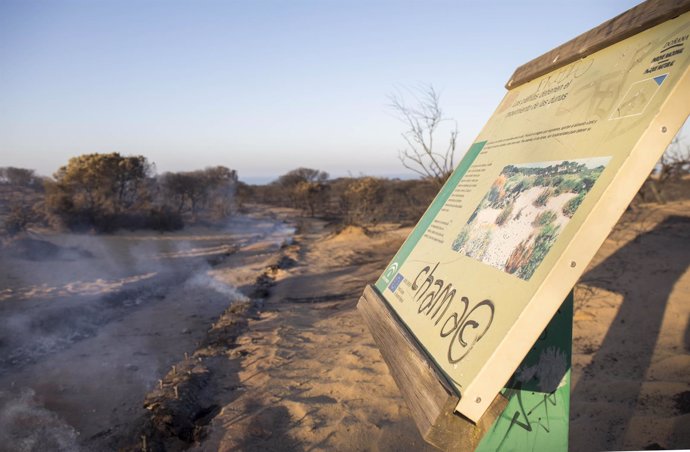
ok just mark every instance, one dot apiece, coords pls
pixel 396 282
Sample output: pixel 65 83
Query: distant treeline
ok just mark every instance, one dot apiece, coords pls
pixel 363 201
pixel 104 192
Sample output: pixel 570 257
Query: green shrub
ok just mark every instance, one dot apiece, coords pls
pixel 477 248
pixel 519 257
pixel 542 244
pixel 587 184
pixel 544 218
pixel 519 214
pixel 543 197
pixel 494 195
pixel 461 239
pixel 572 205
pixel 505 214
pixel 556 181
pixel 571 183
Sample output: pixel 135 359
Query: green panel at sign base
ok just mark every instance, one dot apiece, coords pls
pixel 538 393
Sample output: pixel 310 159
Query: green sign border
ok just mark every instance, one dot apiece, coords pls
pixel 428 217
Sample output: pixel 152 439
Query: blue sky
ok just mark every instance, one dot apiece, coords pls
pixel 259 86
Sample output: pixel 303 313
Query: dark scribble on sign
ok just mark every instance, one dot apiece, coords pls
pixel 536 417
pixel 532 417
pixel 462 321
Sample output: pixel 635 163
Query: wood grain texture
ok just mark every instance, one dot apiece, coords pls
pixel 453 432
pixel 424 390
pixel 631 22
pixel 428 395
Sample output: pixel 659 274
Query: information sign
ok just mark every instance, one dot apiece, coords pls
pixel 514 227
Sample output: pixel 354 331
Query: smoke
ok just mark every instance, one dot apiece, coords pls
pixel 88 312
pixel 26 426
pixel 204 280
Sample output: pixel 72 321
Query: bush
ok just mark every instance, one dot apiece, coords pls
pixel 497 190
pixel 461 239
pixel 302 188
pixel 571 184
pixel 20 216
pixel 20 177
pixel 556 181
pixel 542 244
pixel 544 218
pixel 519 214
pixel 519 183
pixel 572 205
pixel 164 219
pixel 361 201
pixel 105 192
pixel 311 196
pixel 16 221
pixel 587 184
pixel 92 189
pixel 209 192
pixel 477 248
pixel 543 197
pixel 519 257
pixel 505 214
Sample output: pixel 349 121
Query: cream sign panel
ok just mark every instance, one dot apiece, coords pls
pixel 475 282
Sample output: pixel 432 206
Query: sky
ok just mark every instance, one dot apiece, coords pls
pixel 262 87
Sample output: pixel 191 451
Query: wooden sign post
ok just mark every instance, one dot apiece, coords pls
pixel 469 315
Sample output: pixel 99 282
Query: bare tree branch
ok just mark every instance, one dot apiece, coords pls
pixel 422 123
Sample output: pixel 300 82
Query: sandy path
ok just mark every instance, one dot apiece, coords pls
pixel 313 379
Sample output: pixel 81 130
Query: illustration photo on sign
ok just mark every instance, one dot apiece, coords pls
pixel 527 207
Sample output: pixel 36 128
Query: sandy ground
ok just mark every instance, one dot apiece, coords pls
pixel 300 371
pixel 312 378
pixel 631 345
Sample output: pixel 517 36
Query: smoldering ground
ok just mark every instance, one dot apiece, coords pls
pixel 25 425
pixel 88 324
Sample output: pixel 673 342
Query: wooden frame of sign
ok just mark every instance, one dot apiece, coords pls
pixel 458 419
pixel 427 392
pixel 430 396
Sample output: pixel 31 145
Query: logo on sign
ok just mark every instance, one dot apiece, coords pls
pixel 390 272
pixel 396 282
